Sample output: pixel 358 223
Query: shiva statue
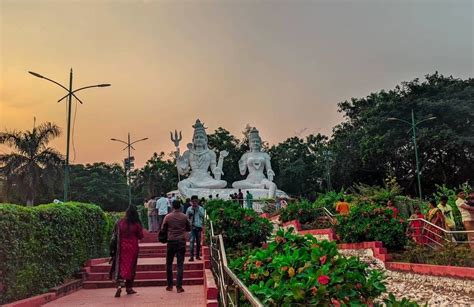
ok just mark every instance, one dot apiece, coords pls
pixel 256 162
pixel 196 162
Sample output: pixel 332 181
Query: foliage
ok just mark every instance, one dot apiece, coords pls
pixel 329 199
pixel 237 224
pixel 367 146
pixel 158 175
pixel 302 270
pixel 66 235
pixel 143 215
pixel 33 168
pixel 370 222
pixel 100 183
pixel 302 211
pixel 450 254
pixel 391 301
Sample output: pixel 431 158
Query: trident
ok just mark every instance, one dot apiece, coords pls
pixel 176 139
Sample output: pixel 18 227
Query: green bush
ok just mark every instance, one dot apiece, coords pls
pixel 143 215
pixel 45 245
pixel 450 254
pixel 300 270
pixel 238 225
pixel 369 222
pixel 328 200
pixel 302 211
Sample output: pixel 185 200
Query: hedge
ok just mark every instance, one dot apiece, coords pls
pixel 46 245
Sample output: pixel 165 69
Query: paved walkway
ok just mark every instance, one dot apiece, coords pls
pixel 146 297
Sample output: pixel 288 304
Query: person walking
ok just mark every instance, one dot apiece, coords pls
pixel 249 200
pixel 186 205
pixel 162 208
pixel 342 207
pixel 195 214
pixel 152 215
pixel 124 250
pixel 176 224
pixel 447 211
pixel 240 197
pixel 467 215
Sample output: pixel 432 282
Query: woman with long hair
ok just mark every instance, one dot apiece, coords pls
pixel 127 232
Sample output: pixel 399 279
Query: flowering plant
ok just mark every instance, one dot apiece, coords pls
pixel 296 269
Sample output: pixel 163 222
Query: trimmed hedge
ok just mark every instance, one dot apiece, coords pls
pixel 43 246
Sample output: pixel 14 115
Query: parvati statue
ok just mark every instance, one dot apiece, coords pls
pixel 256 162
pixel 197 160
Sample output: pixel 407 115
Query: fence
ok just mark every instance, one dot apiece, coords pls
pixel 232 292
pixel 427 233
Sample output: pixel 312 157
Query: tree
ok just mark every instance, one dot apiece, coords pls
pixel 32 164
pixel 368 148
pixel 101 184
pixel 156 177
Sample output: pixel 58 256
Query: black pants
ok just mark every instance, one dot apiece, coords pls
pixel 195 237
pixel 177 247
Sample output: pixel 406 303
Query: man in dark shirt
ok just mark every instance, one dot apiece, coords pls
pixel 187 204
pixel 177 225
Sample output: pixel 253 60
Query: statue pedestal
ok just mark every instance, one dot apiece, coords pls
pixel 225 193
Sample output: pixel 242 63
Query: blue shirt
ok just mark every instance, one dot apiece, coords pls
pixel 195 216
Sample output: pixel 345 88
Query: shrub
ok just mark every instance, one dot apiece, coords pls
pixel 300 270
pixel 302 211
pixel 328 200
pixel 45 245
pixel 238 225
pixel 368 222
pixel 450 254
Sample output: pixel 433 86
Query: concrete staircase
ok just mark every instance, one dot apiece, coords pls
pixel 151 268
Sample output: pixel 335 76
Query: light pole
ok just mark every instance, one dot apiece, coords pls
pixel 69 95
pixel 413 125
pixel 327 154
pixel 128 163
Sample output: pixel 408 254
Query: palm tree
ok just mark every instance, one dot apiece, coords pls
pixel 31 163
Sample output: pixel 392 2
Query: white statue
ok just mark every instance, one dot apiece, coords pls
pixel 256 161
pixel 197 160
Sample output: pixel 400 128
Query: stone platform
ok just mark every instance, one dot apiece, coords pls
pixel 225 193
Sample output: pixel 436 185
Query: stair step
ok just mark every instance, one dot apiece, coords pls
pixel 150 267
pixel 140 283
pixel 146 275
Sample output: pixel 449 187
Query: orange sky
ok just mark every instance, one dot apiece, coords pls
pixel 281 67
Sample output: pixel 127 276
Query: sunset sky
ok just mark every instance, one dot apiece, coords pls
pixel 281 66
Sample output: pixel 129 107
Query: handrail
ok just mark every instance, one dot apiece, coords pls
pixel 435 230
pixel 226 279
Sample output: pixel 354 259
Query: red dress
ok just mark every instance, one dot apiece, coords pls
pixel 129 236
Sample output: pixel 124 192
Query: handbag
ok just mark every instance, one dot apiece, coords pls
pixel 163 234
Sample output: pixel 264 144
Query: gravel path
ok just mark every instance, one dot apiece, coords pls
pixel 424 289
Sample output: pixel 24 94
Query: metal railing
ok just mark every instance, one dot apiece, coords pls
pixel 232 291
pixel 433 235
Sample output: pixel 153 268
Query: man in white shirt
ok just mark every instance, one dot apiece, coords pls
pixel 467 215
pixel 162 207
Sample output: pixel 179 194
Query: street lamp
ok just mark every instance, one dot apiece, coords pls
pixel 413 125
pixel 327 154
pixel 128 163
pixel 70 93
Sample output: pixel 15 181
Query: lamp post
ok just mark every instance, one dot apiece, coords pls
pixel 128 163
pixel 69 95
pixel 413 125
pixel 327 154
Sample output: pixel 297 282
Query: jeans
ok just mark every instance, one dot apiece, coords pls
pixel 195 237
pixel 160 221
pixel 177 247
pixel 152 223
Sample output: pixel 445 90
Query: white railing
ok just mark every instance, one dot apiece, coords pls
pixel 433 235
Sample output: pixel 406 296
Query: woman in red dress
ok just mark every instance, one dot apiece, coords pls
pixel 127 232
pixel 416 227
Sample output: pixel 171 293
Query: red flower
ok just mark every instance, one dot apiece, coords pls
pixel 323 259
pixel 335 302
pixel 323 279
pixel 358 285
